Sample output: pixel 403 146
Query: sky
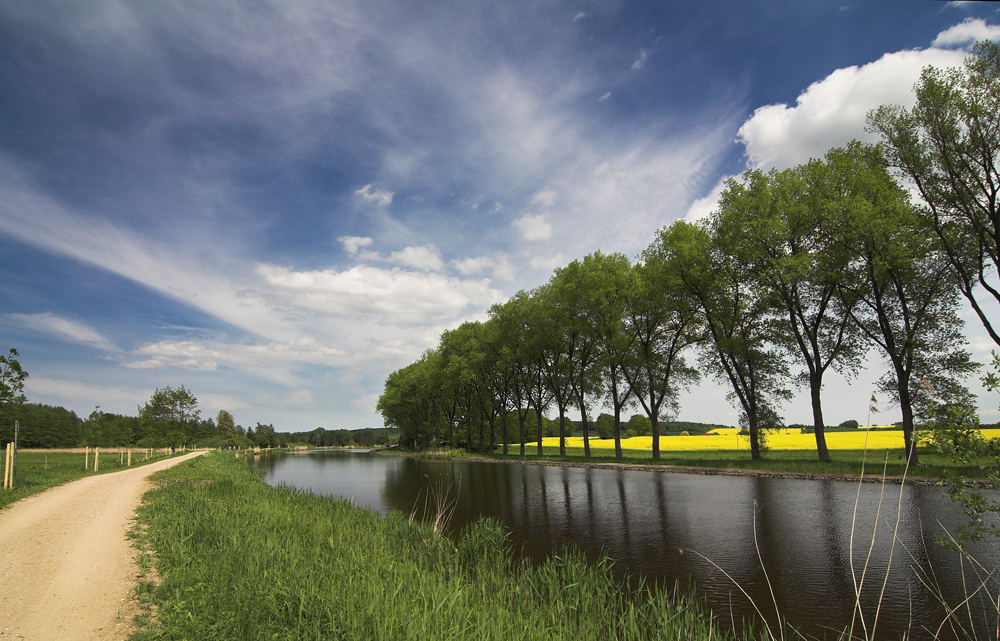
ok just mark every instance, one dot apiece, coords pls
pixel 278 203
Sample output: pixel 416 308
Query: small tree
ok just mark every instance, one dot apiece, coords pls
pixel 11 380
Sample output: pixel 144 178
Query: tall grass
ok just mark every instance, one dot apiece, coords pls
pixel 240 560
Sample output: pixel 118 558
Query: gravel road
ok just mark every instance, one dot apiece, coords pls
pixel 66 567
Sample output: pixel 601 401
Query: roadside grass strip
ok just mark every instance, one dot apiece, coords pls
pixel 238 559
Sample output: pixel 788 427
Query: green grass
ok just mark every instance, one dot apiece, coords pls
pixel 238 559
pixel 38 470
pixel 845 462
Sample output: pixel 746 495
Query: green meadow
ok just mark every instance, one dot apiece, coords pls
pixel 38 470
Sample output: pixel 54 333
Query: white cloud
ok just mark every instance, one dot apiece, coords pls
pixel 390 297
pixel 501 267
pixel 63 328
pixel 426 258
pixel 113 398
pixel 373 196
pixel 579 16
pixel 545 198
pixel 353 243
pixel 604 97
pixel 702 207
pixel 967 32
pixel 547 263
pixel 181 273
pixel 832 111
pixel 640 60
pixel 271 361
pixel 534 228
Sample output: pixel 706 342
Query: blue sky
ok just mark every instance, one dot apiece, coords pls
pixel 276 204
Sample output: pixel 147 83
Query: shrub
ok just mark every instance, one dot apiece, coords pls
pixel 606 426
pixel 641 425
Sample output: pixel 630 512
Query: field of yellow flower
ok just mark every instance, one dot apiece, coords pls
pixel 729 439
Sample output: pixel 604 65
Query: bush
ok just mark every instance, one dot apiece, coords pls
pixel 852 424
pixel 641 425
pixel 606 426
pixel 685 433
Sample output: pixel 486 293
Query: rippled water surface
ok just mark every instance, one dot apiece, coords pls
pixel 682 527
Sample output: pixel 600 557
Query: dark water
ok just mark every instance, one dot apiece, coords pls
pixel 681 527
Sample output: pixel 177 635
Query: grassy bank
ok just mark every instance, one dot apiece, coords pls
pixel 240 560
pixel 845 463
pixel 38 470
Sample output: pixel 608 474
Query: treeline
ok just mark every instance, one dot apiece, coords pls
pixel 170 418
pixel 795 273
pixel 366 437
pixel 46 426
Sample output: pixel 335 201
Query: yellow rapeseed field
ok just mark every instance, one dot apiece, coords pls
pixel 729 439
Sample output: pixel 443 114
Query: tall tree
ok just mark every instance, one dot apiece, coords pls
pixel 905 292
pixel 591 294
pixel 556 349
pixel 740 342
pixel 948 144
pixel 776 225
pixel 665 321
pixel 225 424
pixel 172 409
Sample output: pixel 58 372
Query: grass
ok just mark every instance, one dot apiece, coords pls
pixel 38 470
pixel 240 560
pixel 846 462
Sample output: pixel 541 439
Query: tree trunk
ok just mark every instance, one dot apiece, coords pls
pixel 815 386
pixel 540 431
pixel 586 428
pixel 562 430
pixel 618 431
pixel 520 424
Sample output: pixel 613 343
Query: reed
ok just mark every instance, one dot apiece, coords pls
pixel 240 560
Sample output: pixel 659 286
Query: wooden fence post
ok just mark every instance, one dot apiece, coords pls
pixel 97 458
pixel 86 457
pixel 130 457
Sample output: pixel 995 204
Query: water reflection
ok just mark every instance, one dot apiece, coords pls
pixel 807 534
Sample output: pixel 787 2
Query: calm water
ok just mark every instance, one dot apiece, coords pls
pixel 664 526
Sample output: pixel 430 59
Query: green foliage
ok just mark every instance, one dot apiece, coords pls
pixel 948 145
pixel 606 426
pixel 40 426
pixel 953 431
pixel 640 425
pixel 850 424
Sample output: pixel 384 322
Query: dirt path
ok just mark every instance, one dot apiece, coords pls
pixel 66 568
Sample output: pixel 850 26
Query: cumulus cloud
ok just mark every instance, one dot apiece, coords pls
pixel 534 228
pixel 376 197
pixel 62 328
pixel 353 243
pixel 702 207
pixel 426 258
pixel 390 297
pixel 967 32
pixel 501 267
pixel 831 112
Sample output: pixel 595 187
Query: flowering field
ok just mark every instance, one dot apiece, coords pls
pixel 729 439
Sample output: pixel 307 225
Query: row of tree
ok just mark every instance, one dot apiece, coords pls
pixel 795 273
pixel 170 418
